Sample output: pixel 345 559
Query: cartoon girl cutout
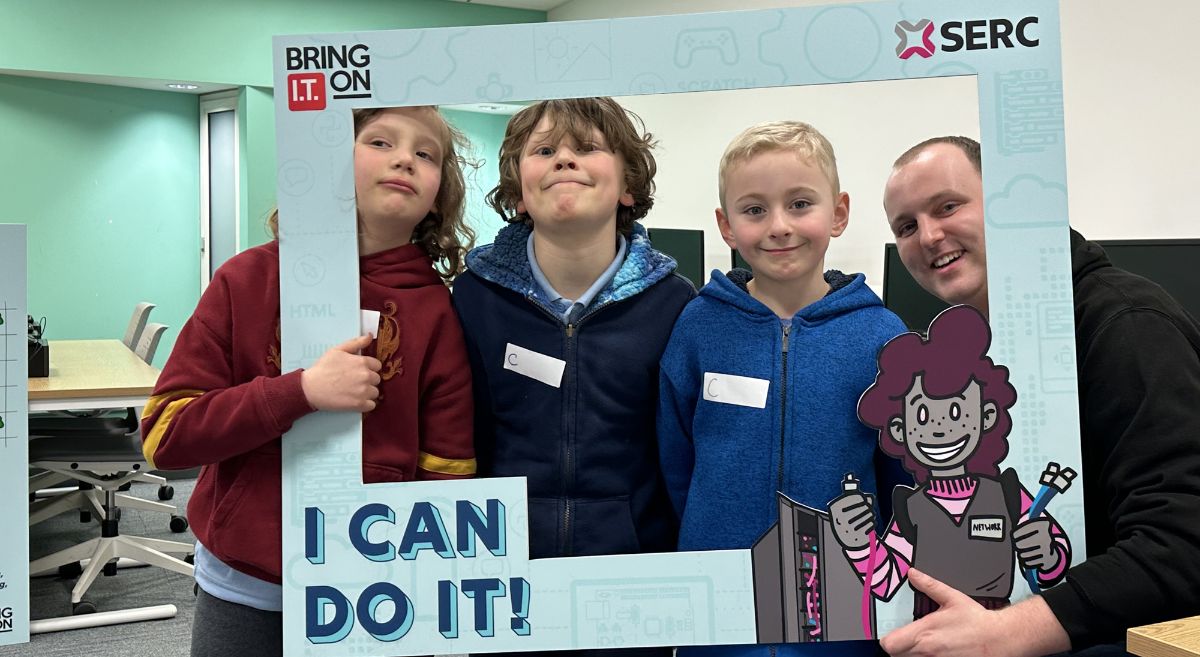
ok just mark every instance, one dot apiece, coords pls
pixel 941 407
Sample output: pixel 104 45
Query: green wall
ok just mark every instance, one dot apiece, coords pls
pixel 256 137
pixel 486 132
pixel 223 41
pixel 107 180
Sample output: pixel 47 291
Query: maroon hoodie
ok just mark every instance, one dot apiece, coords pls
pixel 221 401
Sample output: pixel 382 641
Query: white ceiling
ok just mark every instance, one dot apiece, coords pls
pixel 136 83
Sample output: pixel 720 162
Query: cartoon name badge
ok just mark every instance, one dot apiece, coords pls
pixel 443 567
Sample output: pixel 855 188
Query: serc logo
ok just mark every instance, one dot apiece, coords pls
pixel 922 30
pixel 983 34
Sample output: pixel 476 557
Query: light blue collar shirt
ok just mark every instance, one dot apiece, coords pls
pixel 571 309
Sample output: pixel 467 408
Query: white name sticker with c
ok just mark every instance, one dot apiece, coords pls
pixel 547 369
pixel 737 390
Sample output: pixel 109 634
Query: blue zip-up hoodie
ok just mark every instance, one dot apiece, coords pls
pixel 588 447
pixel 723 462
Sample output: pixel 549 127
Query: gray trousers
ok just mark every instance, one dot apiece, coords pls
pixel 222 629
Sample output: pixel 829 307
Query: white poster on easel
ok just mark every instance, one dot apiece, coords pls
pixel 14 439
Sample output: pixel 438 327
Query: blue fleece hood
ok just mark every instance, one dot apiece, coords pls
pixel 848 294
pixel 504 262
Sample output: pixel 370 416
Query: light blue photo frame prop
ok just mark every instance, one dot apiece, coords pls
pixel 442 567
pixel 14 437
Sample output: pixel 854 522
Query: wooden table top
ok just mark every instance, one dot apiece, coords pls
pixel 1177 638
pixel 93 368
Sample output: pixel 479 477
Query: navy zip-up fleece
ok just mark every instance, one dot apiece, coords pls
pixel 587 448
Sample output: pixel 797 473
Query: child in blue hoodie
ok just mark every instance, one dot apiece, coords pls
pixel 760 380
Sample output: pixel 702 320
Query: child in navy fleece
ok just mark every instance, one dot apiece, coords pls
pixel 566 316
pixel 761 376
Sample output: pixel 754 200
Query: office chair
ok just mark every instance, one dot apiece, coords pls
pixel 87 499
pixel 107 462
pixel 53 424
pixel 147 344
pixel 137 323
pixel 106 422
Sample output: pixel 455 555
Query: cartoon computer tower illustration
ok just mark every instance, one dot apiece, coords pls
pixel 805 590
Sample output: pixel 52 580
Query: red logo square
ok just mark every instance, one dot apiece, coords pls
pixel 306 91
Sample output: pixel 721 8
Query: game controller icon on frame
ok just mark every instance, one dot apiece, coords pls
pixel 720 39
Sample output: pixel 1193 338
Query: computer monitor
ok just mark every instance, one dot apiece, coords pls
pixel 901 294
pixel 1171 263
pixel 686 246
pixel 913 304
pixel 737 260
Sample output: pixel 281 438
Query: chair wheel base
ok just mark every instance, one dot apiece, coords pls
pixel 83 607
pixel 191 559
pixel 70 570
pixel 166 492
pixel 178 524
pixel 109 569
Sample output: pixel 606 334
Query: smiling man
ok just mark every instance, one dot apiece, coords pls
pixel 934 203
pixel 1138 359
